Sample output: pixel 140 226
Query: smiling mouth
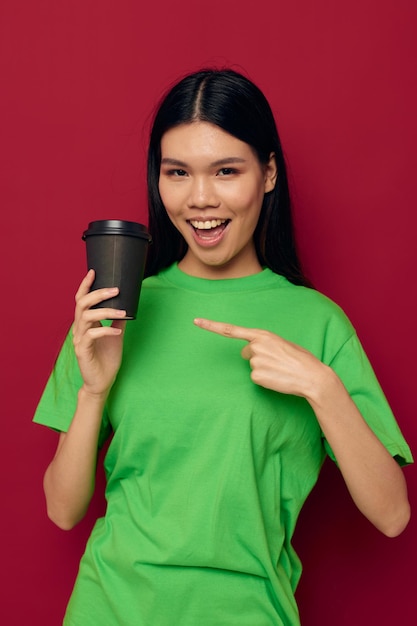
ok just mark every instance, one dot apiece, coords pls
pixel 207 225
pixel 209 231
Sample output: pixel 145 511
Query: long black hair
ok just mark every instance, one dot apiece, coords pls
pixel 232 102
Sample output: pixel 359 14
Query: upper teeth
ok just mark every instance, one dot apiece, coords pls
pixel 206 225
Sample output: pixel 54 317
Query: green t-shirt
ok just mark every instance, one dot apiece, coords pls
pixel 206 471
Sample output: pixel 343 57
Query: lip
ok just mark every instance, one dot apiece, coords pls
pixel 206 218
pixel 208 242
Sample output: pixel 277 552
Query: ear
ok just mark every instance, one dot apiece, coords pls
pixel 271 173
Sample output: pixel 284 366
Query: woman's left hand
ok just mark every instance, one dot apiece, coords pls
pixel 374 479
pixel 276 363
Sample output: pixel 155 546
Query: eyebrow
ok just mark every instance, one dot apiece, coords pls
pixel 225 161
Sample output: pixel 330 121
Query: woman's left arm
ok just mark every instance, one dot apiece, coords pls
pixel 374 479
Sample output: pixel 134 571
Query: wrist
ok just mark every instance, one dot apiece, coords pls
pixel 322 386
pixel 95 398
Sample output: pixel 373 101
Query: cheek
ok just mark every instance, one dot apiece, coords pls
pixel 162 192
pixel 253 192
pixel 171 198
pixel 171 207
pixel 166 201
pixel 253 207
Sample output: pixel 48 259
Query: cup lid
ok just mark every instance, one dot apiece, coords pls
pixel 117 227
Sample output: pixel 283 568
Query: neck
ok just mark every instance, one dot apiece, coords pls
pixel 218 272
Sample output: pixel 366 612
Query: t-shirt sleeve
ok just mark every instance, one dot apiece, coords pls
pixel 354 369
pixel 58 402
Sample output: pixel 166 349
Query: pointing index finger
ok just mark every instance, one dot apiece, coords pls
pixel 227 330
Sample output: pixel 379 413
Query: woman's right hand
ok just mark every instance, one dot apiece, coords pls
pixel 98 348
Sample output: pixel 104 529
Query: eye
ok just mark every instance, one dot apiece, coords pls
pixel 177 172
pixel 227 171
pixel 173 172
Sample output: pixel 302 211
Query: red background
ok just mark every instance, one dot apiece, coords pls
pixel 79 80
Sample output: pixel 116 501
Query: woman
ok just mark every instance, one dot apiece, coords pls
pixel 212 454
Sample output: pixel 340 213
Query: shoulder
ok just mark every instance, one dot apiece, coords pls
pixel 310 301
pixel 161 279
pixel 307 317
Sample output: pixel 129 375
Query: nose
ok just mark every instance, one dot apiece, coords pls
pixel 203 193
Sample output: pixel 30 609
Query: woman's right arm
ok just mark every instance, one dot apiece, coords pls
pixel 70 478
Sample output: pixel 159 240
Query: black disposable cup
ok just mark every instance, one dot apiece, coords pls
pixel 116 251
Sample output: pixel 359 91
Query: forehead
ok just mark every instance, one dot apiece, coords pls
pixel 202 140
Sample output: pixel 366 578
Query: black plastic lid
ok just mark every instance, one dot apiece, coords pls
pixel 117 227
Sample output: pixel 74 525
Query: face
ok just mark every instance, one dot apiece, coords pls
pixel 212 186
